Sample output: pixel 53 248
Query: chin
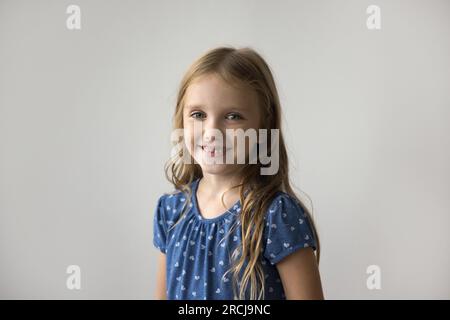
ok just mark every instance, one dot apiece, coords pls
pixel 201 157
pixel 215 168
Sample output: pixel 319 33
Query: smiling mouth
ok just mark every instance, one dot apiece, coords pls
pixel 213 151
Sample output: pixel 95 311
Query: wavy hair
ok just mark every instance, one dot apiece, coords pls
pixel 243 68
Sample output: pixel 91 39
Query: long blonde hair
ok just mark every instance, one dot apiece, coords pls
pixel 245 68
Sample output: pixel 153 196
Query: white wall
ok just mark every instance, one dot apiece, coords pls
pixel 85 123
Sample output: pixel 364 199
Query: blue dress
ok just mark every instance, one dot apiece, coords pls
pixel 198 250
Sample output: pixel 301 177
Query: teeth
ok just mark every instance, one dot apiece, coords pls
pixel 211 149
pixel 212 152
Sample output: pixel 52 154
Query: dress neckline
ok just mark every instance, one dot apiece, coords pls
pixel 234 208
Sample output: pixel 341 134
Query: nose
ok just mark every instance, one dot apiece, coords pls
pixel 211 128
pixel 209 137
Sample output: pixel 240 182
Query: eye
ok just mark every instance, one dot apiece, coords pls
pixel 198 115
pixel 234 116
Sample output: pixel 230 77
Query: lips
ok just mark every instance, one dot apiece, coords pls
pixel 212 150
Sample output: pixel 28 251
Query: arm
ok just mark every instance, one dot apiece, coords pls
pixel 300 276
pixel 160 291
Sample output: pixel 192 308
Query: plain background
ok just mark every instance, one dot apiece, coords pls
pixel 85 121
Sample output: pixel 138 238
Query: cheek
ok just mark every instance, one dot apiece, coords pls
pixel 256 123
pixel 191 136
pixel 243 145
pixel 188 134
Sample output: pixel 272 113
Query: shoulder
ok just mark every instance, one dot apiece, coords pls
pixel 287 228
pixel 172 200
pixel 285 205
pixel 287 217
pixel 170 205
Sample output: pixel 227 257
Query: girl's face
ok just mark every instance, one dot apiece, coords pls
pixel 212 106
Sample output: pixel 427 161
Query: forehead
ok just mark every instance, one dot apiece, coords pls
pixel 212 91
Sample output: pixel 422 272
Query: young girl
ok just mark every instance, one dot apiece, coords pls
pixel 228 231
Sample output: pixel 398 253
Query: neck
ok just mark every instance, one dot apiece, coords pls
pixel 215 185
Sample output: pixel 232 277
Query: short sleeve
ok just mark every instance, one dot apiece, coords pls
pixel 287 229
pixel 160 226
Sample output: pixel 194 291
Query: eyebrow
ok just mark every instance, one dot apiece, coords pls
pixel 193 106
pixel 231 107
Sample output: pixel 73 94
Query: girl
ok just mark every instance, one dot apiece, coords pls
pixel 228 231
